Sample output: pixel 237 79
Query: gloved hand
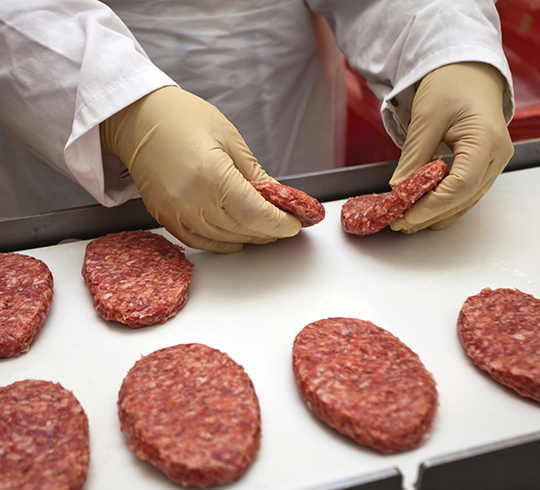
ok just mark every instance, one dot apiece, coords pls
pixel 192 168
pixel 462 105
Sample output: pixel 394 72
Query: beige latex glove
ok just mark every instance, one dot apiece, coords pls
pixel 460 104
pixel 192 169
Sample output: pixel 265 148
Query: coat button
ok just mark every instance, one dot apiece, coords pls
pixel 394 102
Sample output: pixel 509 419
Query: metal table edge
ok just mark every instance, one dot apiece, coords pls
pixel 89 222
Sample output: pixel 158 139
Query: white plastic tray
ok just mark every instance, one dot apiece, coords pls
pixel 252 304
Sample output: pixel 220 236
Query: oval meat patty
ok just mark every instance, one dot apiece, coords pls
pixel 44 441
pixel 192 412
pixel 137 278
pixel 370 213
pixel 499 330
pixel 303 207
pixel 26 293
pixel 364 382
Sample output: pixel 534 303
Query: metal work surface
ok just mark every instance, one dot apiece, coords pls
pixel 92 221
pixel 252 305
pixel 390 479
pixel 507 465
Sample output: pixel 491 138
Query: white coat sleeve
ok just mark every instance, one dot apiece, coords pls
pixel 395 44
pixel 66 66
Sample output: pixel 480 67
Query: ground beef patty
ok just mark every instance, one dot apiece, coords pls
pixel 370 213
pixel 43 437
pixel 500 332
pixel 364 382
pixel 303 207
pixel 136 277
pixel 192 412
pixel 26 293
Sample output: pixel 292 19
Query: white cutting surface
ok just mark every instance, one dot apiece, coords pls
pixel 252 304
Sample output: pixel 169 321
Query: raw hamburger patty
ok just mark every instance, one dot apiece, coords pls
pixel 364 382
pixel 192 412
pixel 136 277
pixel 305 208
pixel 26 293
pixel 370 213
pixel 500 331
pixel 43 437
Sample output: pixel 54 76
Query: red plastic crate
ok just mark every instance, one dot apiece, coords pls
pixel 367 140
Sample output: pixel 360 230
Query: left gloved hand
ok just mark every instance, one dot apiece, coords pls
pixel 462 105
pixel 193 171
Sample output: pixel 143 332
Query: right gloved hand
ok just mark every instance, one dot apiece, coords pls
pixel 192 169
pixel 462 105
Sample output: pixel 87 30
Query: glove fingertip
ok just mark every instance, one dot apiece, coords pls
pixel 199 242
pixel 402 225
pixel 292 225
pixel 227 247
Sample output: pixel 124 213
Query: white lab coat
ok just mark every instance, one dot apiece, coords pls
pixel 271 66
